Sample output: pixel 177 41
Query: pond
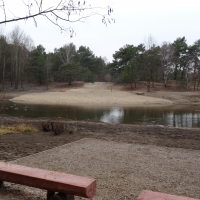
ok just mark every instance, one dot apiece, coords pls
pixel 174 116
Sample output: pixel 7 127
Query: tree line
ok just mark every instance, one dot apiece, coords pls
pixel 21 62
pixel 153 63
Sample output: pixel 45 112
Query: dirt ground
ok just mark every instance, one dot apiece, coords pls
pixel 15 146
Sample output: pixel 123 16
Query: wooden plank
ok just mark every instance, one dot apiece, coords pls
pixel 48 180
pixel 150 195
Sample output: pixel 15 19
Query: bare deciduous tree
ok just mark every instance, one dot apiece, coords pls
pixel 21 45
pixel 151 60
pixel 67 52
pixel 189 73
pixel 4 57
pixel 150 42
pixel 166 56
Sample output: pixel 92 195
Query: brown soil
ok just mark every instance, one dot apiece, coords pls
pixel 13 145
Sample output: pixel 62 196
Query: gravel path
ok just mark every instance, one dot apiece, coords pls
pixel 122 170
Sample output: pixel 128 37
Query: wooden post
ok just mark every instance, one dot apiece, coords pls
pixel 148 87
pixel 50 194
pixel 1 183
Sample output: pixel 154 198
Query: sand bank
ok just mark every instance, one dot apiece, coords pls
pixel 96 94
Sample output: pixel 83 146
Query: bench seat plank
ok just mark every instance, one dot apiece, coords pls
pixel 150 195
pixel 48 180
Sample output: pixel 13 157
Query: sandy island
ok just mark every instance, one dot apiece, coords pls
pixel 91 94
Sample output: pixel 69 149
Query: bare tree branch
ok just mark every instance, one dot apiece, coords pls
pixel 3 8
pixel 41 5
pixel 65 11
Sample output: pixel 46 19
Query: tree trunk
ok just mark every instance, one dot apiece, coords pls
pixel 195 79
pixel 16 70
pixel 47 74
pixel 3 75
pixel 70 80
pixel 11 81
pixel 131 85
pixel 198 84
pixel 182 74
pixel 175 72
pixel 151 80
pixel 165 80
pixel 148 86
pixel 16 84
pixel 22 87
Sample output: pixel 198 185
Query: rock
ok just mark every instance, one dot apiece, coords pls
pixel 57 127
pixel 46 126
pixel 139 93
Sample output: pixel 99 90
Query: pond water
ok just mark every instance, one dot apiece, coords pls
pixel 174 116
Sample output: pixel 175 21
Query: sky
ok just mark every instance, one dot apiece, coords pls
pixel 135 21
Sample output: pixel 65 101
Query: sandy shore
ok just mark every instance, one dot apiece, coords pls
pixel 91 94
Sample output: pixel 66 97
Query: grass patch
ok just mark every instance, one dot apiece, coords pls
pixel 18 128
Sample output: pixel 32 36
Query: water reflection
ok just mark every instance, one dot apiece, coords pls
pixel 183 120
pixel 115 115
pixel 174 116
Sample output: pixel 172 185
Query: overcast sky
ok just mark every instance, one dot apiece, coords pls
pixel 136 20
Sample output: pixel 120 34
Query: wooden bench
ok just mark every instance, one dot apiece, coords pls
pixel 66 185
pixel 149 195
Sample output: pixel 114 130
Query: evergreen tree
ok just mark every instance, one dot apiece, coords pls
pixel 38 59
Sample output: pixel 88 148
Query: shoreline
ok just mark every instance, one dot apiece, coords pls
pixel 94 105
pixel 97 94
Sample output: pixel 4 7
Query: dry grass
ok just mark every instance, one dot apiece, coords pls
pixel 19 128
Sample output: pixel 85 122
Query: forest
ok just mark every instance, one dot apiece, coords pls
pixel 22 63
pixel 158 63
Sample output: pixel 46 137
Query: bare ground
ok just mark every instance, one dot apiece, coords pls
pixel 102 94
pixel 139 157
pixel 169 157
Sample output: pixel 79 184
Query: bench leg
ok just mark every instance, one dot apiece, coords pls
pixel 62 196
pixel 50 194
pixel 1 184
